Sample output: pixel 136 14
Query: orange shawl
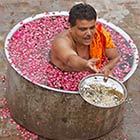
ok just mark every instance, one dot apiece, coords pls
pixel 101 40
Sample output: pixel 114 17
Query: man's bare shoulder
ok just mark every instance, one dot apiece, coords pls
pixel 62 38
pixel 62 49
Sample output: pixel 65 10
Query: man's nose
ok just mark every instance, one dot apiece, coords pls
pixel 89 32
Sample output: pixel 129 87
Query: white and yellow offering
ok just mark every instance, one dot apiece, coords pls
pixel 108 94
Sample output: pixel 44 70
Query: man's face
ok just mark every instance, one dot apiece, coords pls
pixel 84 31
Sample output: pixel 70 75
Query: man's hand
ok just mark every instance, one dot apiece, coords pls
pixel 91 64
pixel 106 71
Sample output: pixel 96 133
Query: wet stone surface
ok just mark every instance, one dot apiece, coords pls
pixel 122 13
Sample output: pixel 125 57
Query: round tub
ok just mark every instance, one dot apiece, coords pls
pixel 55 114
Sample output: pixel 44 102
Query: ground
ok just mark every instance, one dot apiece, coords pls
pixel 123 13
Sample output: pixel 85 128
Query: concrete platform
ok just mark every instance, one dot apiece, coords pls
pixel 122 13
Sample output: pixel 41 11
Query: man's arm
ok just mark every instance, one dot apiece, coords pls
pixel 114 58
pixel 62 48
pixel 79 64
pixel 111 52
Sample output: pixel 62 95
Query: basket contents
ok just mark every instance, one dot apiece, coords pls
pixel 100 95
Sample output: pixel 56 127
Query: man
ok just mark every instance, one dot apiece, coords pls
pixel 84 46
